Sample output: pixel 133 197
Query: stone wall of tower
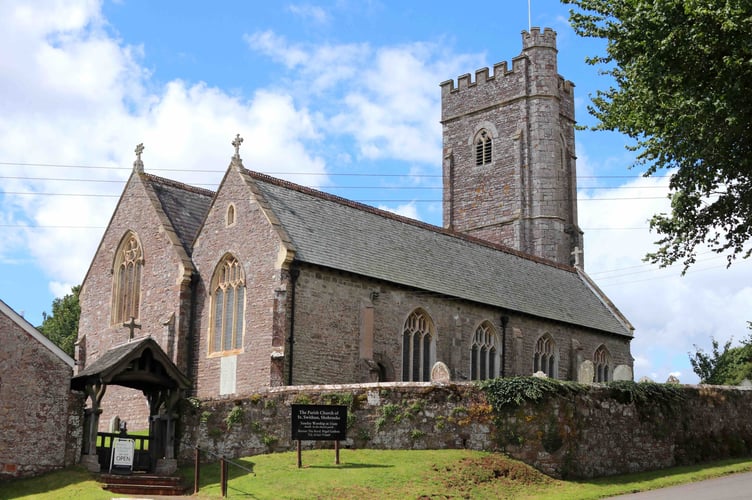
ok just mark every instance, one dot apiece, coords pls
pixel 526 197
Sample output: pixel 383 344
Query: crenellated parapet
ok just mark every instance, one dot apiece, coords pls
pixel 534 38
pixel 482 77
pixel 532 73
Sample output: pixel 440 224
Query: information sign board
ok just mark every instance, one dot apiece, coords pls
pixel 123 451
pixel 319 422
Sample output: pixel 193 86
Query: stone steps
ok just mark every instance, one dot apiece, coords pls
pixel 143 484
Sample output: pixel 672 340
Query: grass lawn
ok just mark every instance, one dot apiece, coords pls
pixel 381 474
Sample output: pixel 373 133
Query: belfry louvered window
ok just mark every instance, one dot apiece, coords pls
pixel 228 306
pixel 126 289
pixel 483 148
pixel 484 353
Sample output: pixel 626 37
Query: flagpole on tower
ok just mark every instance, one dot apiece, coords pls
pixel 529 19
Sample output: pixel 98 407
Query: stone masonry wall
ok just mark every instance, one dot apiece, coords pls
pixel 165 274
pixel 331 301
pixel 590 433
pixel 525 197
pixel 254 242
pixel 41 420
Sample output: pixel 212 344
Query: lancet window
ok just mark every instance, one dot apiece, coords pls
pixel 228 307
pixel 127 269
pixel 230 218
pixel 417 347
pixel 484 353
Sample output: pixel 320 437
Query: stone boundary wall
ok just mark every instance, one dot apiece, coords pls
pixel 585 434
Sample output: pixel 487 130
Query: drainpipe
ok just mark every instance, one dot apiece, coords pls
pixel 294 274
pixel 504 321
pixel 190 348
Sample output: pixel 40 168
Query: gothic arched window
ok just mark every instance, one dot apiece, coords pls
pixel 230 217
pixel 228 306
pixel 126 289
pixel 417 347
pixel 544 359
pixel 602 362
pixel 485 353
pixel 483 148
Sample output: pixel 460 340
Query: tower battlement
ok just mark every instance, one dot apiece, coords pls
pixel 481 76
pixel 538 58
pixel 534 38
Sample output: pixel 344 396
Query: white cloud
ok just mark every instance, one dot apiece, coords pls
pixel 671 313
pixel 276 47
pixel 312 12
pixel 390 107
pixel 405 210
pixel 78 96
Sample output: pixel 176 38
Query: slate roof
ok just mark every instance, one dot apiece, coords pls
pixel 186 207
pixel 113 367
pixel 340 234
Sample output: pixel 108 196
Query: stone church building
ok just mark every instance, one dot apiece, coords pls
pixel 267 283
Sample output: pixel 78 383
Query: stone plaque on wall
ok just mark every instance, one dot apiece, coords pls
pixel 228 368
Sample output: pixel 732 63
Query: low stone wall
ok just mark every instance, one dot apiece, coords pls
pixel 590 432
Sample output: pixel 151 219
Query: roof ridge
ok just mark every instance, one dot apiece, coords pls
pixel 178 184
pixel 401 218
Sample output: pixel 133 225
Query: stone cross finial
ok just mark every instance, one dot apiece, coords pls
pixel 131 326
pixel 138 165
pixel 237 142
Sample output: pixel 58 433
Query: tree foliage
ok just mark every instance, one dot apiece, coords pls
pixel 61 327
pixel 723 366
pixel 681 71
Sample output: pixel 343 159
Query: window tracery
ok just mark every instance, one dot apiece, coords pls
pixel 417 347
pixel 484 353
pixel 602 362
pixel 126 295
pixel 544 359
pixel 228 307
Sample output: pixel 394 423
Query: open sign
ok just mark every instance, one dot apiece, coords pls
pixel 122 455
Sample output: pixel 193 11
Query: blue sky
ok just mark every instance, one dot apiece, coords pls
pixel 342 96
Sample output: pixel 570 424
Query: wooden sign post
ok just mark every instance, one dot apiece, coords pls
pixel 319 423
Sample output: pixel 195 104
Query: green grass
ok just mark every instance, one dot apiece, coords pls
pixel 372 474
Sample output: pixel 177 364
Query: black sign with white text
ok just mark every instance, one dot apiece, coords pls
pixel 319 422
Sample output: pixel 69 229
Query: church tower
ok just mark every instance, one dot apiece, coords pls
pixel 509 160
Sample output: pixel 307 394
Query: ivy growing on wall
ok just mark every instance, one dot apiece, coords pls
pixel 641 393
pixel 514 391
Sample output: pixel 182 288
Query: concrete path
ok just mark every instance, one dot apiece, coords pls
pixel 732 487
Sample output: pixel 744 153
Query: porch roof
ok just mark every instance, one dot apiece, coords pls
pixel 139 364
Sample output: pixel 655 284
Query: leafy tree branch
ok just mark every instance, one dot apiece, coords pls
pixel 681 71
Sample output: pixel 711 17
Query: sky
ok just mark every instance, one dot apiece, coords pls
pixel 339 95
